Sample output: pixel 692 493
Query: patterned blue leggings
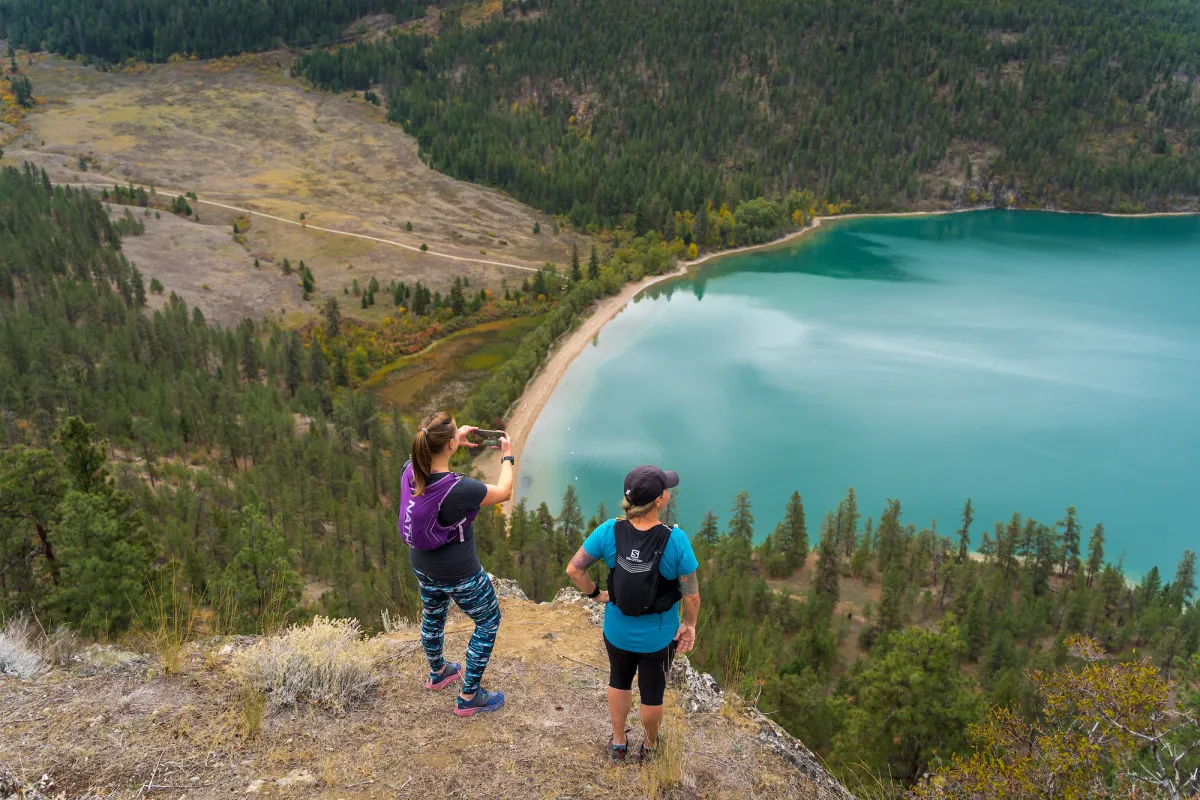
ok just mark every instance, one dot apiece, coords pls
pixel 477 599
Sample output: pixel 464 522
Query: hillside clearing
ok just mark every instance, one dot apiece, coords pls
pixel 243 132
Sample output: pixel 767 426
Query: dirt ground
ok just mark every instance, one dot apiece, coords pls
pixel 245 133
pixel 126 731
pixel 208 269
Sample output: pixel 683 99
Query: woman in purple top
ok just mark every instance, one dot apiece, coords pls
pixel 451 571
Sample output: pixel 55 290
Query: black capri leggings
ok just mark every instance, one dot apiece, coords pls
pixel 651 669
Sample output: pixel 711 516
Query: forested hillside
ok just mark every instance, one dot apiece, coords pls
pixel 243 457
pixel 602 109
pixel 154 30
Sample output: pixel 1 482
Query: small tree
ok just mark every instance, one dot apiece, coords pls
pixel 1108 729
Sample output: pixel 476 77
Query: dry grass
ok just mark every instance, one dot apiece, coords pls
pixel 167 625
pixel 252 707
pixel 394 624
pixel 100 735
pixel 326 663
pixel 250 135
pixel 666 770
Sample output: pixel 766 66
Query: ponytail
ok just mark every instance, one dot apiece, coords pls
pixel 437 430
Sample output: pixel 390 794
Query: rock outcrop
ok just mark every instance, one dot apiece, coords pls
pixel 700 693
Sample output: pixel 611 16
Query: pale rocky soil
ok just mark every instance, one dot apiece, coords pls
pixel 110 725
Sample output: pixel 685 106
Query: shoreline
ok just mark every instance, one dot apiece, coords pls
pixel 539 389
pixel 529 405
pixel 543 383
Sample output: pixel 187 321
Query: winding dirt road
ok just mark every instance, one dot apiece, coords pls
pixel 174 193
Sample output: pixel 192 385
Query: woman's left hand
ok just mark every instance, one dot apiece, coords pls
pixel 464 433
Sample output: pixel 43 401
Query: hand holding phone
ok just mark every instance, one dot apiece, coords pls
pixel 490 438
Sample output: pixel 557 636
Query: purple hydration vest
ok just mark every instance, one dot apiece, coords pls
pixel 418 522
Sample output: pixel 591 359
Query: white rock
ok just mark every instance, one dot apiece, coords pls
pixel 297 777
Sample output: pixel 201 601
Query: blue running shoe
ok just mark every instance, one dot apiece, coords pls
pixel 449 675
pixel 481 703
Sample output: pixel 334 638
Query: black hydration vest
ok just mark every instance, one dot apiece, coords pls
pixel 634 583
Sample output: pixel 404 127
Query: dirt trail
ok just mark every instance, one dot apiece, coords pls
pixel 173 193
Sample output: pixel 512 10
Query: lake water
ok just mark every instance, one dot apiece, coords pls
pixel 1029 361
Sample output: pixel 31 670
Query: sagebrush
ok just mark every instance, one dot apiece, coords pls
pixel 19 653
pixel 327 663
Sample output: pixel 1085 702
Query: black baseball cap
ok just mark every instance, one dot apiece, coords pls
pixel 646 483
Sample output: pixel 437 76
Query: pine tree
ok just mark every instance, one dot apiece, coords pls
pixel 1070 550
pixel 317 366
pixel 139 288
pixel 794 541
pixel 518 530
pixel 976 629
pixel 600 517
pixel 261 575
pixel 700 227
pixel 293 374
pixel 1095 559
pixel 709 533
pixel 890 547
pixel 893 600
pixel 106 555
pixel 826 587
pixel 1184 585
pixel 82 453
pixel 576 274
pixel 741 522
pixel 570 522
pixel 593 265
pixel 964 533
pixel 333 318
pixel 847 523
pixel 986 548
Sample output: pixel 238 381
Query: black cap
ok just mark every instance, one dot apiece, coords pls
pixel 646 483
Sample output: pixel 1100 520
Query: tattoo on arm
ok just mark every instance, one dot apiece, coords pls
pixel 689 584
pixel 582 560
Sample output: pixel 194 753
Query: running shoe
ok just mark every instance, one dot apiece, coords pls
pixel 481 703
pixel 449 675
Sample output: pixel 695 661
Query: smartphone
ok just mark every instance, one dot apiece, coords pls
pixel 488 437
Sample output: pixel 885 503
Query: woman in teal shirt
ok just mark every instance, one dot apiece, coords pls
pixel 642 626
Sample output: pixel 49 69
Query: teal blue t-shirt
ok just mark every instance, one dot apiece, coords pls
pixel 651 632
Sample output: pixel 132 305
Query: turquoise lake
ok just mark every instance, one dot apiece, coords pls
pixel 1027 360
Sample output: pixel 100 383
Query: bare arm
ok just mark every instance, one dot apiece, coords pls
pixel 501 491
pixel 689 586
pixel 577 572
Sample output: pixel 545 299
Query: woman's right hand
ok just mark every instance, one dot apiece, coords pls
pixel 505 446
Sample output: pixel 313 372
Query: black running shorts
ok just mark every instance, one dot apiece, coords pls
pixel 651 670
